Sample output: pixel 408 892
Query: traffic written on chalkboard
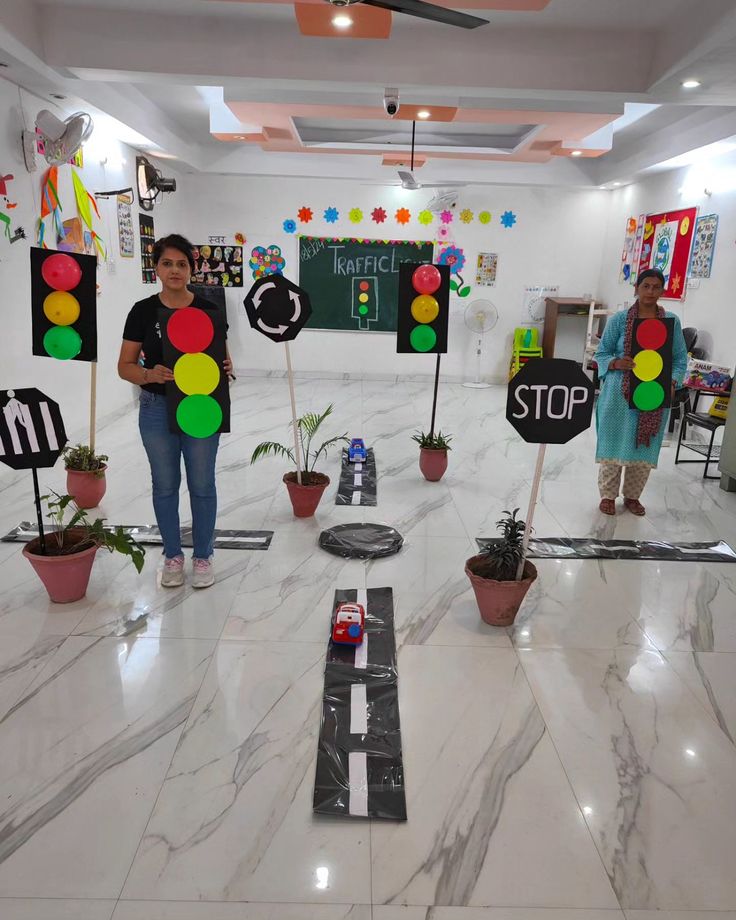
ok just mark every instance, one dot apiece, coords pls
pixel 354 284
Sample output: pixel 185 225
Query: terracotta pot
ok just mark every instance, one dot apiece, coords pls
pixel 306 497
pixel 64 577
pixel 432 463
pixel 499 601
pixel 86 488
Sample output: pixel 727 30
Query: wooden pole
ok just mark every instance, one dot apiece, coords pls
pixel 39 516
pixel 297 447
pixel 92 404
pixel 530 511
pixel 434 398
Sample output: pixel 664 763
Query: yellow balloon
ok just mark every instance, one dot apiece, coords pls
pixel 648 365
pixel 196 374
pixel 425 308
pixel 61 308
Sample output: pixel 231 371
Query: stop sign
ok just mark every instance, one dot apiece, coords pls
pixel 550 401
pixel 277 307
pixel 31 429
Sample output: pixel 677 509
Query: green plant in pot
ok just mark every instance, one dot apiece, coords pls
pixel 433 449
pixel 492 573
pixel 305 496
pixel 85 475
pixel 71 546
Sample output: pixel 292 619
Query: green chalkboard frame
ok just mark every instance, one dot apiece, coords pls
pixel 331 270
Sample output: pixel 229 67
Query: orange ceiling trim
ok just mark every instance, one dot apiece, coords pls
pixel 507 6
pixel 368 21
pixel 559 151
pixel 403 159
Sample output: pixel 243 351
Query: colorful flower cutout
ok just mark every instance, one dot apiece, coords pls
pixel 266 261
pixel 289 226
pixel 425 217
pixel 466 215
pixel 403 216
pixel 508 219
pixel 378 215
pixel 240 239
pixel 355 215
pixel 454 257
pixel 444 233
pixel 446 217
pixel 332 215
pixel 305 215
pixel 485 217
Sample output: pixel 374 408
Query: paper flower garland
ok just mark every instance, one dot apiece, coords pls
pixel 508 219
pixel 378 215
pixel 425 217
pixel 266 261
pixel 485 217
pixel 466 215
pixel 454 257
pixel 446 217
pixel 305 215
pixel 403 216
pixel 331 215
pixel 289 226
pixel 355 215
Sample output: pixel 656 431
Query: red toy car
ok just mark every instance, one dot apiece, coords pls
pixel 349 624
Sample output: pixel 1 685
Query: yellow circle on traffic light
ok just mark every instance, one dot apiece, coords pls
pixel 196 374
pixel 425 308
pixel 648 365
pixel 363 298
pixel 61 308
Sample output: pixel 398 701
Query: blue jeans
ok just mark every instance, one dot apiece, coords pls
pixel 165 449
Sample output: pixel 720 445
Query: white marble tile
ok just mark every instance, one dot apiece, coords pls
pixel 679 915
pixel 85 751
pixel 653 774
pixel 712 678
pixel 485 791
pixel 54 909
pixel 22 658
pixel 395 912
pixel 209 910
pixel 245 766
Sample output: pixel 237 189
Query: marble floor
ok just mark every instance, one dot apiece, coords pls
pixel 157 747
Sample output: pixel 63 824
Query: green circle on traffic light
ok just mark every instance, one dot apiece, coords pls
pixel 648 396
pixel 199 416
pixel 423 338
pixel 62 342
pixel 362 310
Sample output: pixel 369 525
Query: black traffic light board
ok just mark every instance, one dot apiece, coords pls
pixel 651 379
pixel 424 308
pixel 64 305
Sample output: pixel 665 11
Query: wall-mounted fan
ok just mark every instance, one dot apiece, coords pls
pixel 150 183
pixel 58 140
pixel 422 11
pixel 480 317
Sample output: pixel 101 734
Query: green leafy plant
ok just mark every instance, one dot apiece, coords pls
pixel 85 460
pixel 436 441
pixel 94 533
pixel 308 426
pixel 503 555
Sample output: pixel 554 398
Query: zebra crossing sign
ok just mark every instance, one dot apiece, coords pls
pixel 32 432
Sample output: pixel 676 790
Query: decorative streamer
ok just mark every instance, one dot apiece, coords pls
pixel 83 207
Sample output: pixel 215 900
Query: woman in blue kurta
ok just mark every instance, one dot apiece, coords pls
pixel 628 438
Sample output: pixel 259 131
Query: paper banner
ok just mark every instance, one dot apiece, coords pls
pixel 666 246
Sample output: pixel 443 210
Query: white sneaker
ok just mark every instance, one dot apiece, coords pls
pixel 203 573
pixel 172 575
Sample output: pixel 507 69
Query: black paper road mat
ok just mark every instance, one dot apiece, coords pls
pixel 588 548
pixel 360 770
pixel 357 481
pixel 149 535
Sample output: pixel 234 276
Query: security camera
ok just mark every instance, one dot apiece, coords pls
pixel 391 101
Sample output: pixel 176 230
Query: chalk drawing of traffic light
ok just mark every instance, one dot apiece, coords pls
pixel 365 301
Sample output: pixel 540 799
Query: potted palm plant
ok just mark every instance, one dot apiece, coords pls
pixel 492 573
pixel 66 565
pixel 85 475
pixel 433 454
pixel 305 496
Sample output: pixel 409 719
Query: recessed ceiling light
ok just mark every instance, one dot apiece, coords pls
pixel 341 21
pixel 617 184
pixel 690 84
pixel 576 153
pixel 423 113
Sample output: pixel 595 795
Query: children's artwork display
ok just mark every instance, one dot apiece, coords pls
pixel 6 204
pixel 64 305
pixel 216 265
pixel 76 238
pixel 125 227
pixel 148 238
pixel 631 249
pixel 666 246
pixel 704 245
pixel 486 268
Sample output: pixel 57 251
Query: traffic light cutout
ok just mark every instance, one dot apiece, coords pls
pixel 424 307
pixel 651 378
pixel 64 305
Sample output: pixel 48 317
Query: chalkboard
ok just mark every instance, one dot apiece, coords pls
pixel 354 284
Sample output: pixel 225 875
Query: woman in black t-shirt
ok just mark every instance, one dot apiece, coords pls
pixel 174 263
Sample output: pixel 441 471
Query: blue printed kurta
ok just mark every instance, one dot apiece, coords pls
pixel 616 422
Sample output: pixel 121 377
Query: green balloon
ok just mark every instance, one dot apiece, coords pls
pixel 62 342
pixel 199 416
pixel 423 338
pixel 648 396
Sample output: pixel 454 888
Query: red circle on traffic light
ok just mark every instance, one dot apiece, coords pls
pixel 652 333
pixel 364 285
pixel 61 272
pixel 190 330
pixel 426 279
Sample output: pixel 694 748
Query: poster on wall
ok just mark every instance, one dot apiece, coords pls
pixel 631 249
pixel 704 245
pixel 76 238
pixel 666 246
pixel 534 301
pixel 218 266
pixel 148 238
pixel 485 273
pixel 125 227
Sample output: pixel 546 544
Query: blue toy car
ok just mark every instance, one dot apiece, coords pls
pixel 357 452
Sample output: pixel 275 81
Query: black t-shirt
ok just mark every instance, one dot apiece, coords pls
pixel 142 326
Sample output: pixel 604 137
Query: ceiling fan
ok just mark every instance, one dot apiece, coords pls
pixel 421 10
pixel 408 180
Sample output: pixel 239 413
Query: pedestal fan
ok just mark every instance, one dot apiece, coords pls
pixel 480 317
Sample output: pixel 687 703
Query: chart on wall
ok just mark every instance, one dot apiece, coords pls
pixel 148 238
pixel 125 227
pixel 218 265
pixel 354 284
pixel 704 246
pixel 666 246
pixel 631 249
pixel 487 266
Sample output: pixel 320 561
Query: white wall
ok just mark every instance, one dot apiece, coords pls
pixel 709 307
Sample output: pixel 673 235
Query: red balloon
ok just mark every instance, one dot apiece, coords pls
pixel 61 272
pixel 426 279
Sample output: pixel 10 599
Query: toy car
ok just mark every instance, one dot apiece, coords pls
pixel 357 452
pixel 349 624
